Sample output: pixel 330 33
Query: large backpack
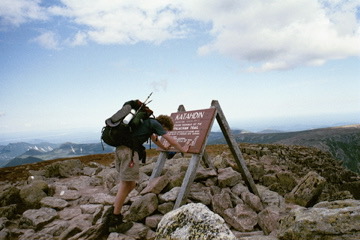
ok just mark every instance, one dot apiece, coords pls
pixel 117 133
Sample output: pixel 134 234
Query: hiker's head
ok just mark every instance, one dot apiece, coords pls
pixel 166 122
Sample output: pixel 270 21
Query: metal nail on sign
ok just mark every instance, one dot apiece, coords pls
pixel 192 127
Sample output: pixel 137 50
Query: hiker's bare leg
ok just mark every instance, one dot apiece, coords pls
pixel 125 187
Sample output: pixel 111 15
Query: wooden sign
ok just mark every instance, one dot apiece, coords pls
pixel 192 127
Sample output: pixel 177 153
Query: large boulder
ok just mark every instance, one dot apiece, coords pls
pixel 36 218
pixel 326 220
pixel 142 207
pixel 64 168
pixel 32 194
pixel 307 192
pixel 193 221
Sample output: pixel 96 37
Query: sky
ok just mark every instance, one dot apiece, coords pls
pixel 70 64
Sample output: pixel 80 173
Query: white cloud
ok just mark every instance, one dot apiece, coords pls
pixel 271 35
pixel 48 40
pixel 159 85
pixel 125 22
pixel 16 12
pixel 284 34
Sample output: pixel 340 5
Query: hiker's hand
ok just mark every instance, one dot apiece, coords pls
pixel 167 146
pixel 187 146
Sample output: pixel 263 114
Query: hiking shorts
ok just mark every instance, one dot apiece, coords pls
pixel 123 156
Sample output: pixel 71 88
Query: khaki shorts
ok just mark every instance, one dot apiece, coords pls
pixel 122 161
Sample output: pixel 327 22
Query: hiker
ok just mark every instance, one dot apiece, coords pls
pixel 127 163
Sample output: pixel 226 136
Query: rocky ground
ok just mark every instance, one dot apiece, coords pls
pixel 304 194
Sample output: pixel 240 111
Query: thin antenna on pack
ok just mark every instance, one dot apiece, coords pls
pixel 144 102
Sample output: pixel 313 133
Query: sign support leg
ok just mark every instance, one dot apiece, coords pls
pixel 234 147
pixel 188 180
pixel 159 165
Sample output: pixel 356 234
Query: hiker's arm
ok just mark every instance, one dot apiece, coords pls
pixel 171 141
pixel 156 140
pixel 175 144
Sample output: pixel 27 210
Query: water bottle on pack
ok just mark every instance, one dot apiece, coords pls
pixel 129 117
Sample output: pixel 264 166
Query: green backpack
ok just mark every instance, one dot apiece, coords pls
pixel 117 131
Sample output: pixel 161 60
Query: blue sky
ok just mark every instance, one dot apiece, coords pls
pixel 70 64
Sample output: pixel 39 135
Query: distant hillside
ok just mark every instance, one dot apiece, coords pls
pixel 60 151
pixel 13 150
pixel 21 161
pixel 343 143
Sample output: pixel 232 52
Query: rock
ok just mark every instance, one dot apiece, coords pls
pixel 156 185
pixel 153 220
pixel 64 168
pixel 166 207
pixel 242 217
pixel 204 173
pixel 37 218
pixel 170 196
pixel 252 200
pixel 200 193
pixel 32 194
pixel 307 192
pixel 53 202
pixel 326 220
pixel 69 213
pixel 220 162
pixel 142 207
pixel 228 177
pixel 102 198
pixel 69 194
pixel 221 202
pixel 9 195
pixel 257 170
pixel 8 211
pixel 193 221
pixel 138 231
pixel 286 180
pixel 268 219
pixel 56 227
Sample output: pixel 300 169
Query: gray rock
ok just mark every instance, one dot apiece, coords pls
pixel 242 218
pixel 102 198
pixel 9 195
pixel 153 220
pixel 328 220
pixel 156 185
pixel 64 168
pixel 37 218
pixel 142 207
pixel 53 202
pixel 228 177
pixel 308 190
pixel 166 207
pixel 170 196
pixel 8 211
pixel 269 219
pixel 193 221
pixel 32 194
pixel 200 193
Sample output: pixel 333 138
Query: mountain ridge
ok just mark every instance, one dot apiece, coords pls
pixel 342 142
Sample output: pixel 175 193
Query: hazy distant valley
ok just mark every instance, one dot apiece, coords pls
pixel 342 142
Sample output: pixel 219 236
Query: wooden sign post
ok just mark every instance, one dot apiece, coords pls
pixel 193 127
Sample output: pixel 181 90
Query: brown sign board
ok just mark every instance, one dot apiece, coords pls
pixel 192 127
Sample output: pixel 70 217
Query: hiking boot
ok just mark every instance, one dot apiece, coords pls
pixel 116 224
pixel 121 227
